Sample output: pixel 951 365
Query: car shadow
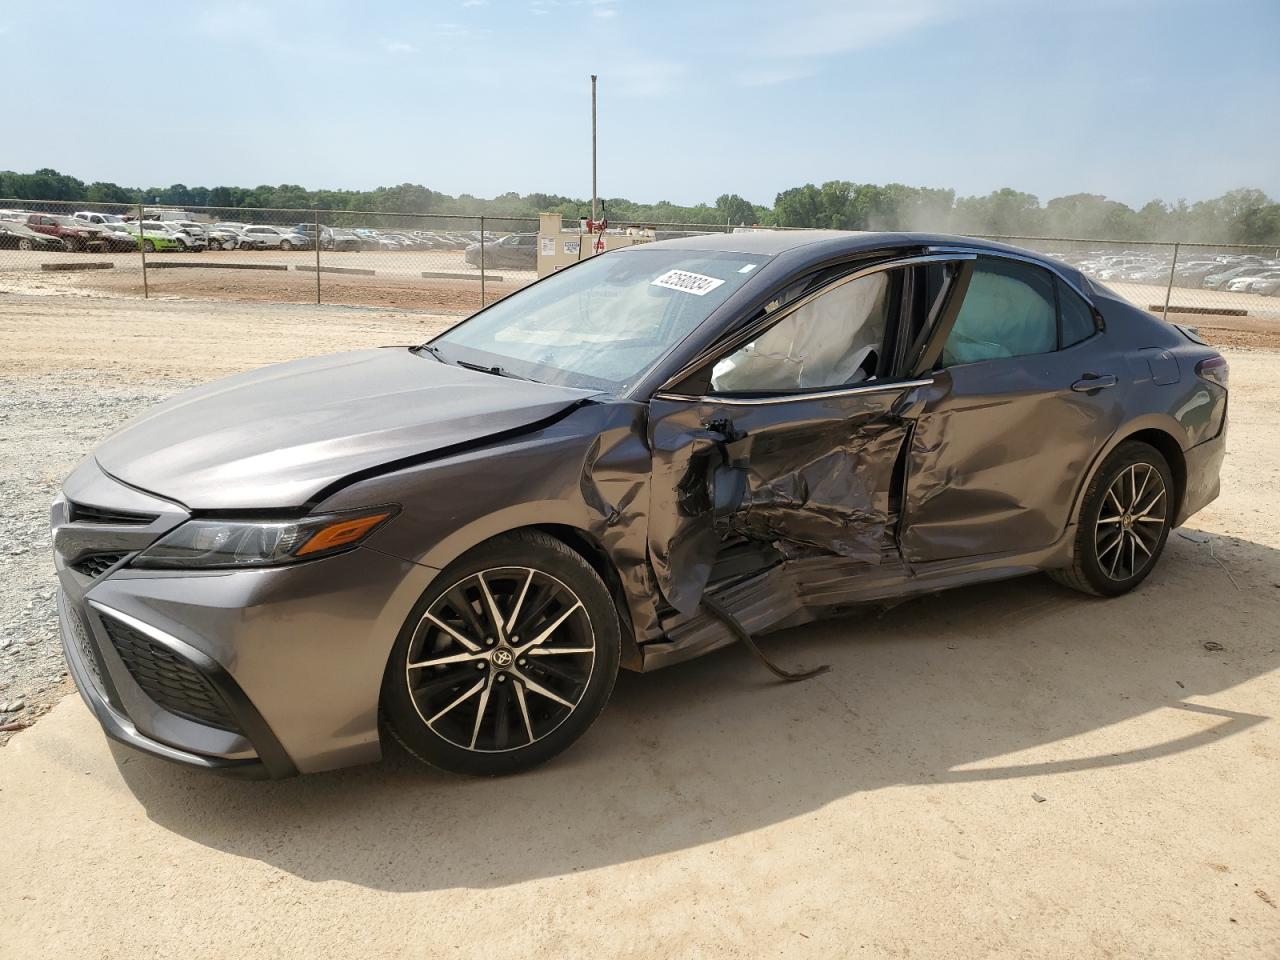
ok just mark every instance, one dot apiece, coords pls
pixel 945 689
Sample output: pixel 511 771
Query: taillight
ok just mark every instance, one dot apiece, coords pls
pixel 1214 369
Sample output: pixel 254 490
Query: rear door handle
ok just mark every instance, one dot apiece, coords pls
pixel 1094 381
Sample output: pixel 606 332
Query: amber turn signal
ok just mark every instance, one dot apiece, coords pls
pixel 340 534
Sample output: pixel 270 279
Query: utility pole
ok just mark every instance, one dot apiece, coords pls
pixel 594 193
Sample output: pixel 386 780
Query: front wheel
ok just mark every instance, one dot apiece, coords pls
pixel 286 245
pixel 1125 520
pixel 506 660
pixel 148 246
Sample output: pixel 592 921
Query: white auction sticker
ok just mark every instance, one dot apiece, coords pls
pixel 682 280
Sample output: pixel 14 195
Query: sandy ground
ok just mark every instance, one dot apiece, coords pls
pixel 397 279
pixel 1010 770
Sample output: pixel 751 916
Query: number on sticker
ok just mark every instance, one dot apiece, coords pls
pixel 687 282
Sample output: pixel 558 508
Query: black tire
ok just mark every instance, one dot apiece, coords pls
pixel 25 244
pixel 286 245
pixel 513 724
pixel 1099 565
pixel 149 246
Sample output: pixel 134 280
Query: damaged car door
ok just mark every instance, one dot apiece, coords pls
pixel 789 432
pixel 1025 393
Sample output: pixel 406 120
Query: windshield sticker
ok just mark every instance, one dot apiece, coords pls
pixel 748 268
pixel 686 282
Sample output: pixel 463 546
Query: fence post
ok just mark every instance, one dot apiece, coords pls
pixel 1169 289
pixel 482 263
pixel 142 248
pixel 317 256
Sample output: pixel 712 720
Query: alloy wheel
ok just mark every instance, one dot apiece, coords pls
pixel 500 659
pixel 1131 521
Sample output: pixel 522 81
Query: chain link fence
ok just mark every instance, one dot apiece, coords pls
pixel 1182 281
pixel 457 264
pixel 443 264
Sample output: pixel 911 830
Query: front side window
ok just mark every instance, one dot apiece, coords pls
pixel 603 322
pixel 833 340
pixel 1008 311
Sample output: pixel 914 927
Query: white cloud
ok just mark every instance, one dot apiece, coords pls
pixel 398 46
pixel 823 27
pixel 645 78
pixel 604 13
pixel 770 76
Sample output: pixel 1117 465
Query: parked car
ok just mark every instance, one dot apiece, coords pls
pixel 1267 287
pixel 243 239
pixel 372 240
pixel 186 241
pixel 341 239
pixel 75 234
pixel 90 216
pixel 518 250
pixel 1193 274
pixel 646 456
pixel 279 238
pixel 1245 282
pixel 19 236
pixel 153 236
pixel 118 239
pixel 1217 281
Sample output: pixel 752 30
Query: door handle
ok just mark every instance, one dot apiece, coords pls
pixel 1090 382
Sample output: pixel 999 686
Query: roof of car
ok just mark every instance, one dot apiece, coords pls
pixel 773 242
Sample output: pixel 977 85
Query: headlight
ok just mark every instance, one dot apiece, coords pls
pixel 213 544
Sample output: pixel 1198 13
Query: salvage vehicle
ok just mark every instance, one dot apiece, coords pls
pixel 154 235
pixel 18 236
pixel 654 453
pixel 76 235
pixel 518 250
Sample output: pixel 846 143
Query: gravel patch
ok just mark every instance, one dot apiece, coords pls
pixel 47 425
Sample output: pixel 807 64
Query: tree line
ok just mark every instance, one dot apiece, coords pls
pixel 1238 216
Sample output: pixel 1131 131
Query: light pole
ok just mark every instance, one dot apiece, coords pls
pixel 594 193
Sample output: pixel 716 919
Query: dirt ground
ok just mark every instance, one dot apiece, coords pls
pixel 1010 770
pixel 396 282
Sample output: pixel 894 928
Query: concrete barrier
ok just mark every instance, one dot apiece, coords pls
pixel 1203 311
pixel 216 266
pixel 488 277
pixel 358 271
pixel 86 265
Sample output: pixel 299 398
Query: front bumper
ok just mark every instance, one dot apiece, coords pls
pixel 260 673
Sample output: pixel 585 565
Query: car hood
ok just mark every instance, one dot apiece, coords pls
pixel 274 438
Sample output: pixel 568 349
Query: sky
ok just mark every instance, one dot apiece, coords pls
pixel 1135 99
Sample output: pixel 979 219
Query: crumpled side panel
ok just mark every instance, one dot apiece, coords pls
pixel 614 487
pixel 683 542
pixel 831 492
pixel 812 472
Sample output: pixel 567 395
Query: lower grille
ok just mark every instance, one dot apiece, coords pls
pixel 96 564
pixel 80 637
pixel 168 679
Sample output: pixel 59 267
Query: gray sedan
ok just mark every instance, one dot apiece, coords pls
pixel 654 453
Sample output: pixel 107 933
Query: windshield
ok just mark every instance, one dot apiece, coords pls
pixel 601 323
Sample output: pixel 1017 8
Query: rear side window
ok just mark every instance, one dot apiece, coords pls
pixel 1010 310
pixel 1076 317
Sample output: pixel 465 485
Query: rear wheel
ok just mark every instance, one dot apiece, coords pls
pixel 25 244
pixel 506 660
pixel 148 246
pixel 286 245
pixel 1124 522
